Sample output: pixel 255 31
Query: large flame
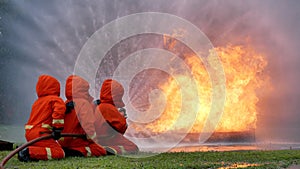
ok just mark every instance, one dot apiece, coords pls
pixel 244 71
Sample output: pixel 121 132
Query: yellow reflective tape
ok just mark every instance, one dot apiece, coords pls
pixel 64 154
pixel 112 149
pixel 49 155
pixel 93 136
pixel 122 149
pixel 58 121
pixel 61 139
pixel 89 153
pixel 27 127
pixel 46 126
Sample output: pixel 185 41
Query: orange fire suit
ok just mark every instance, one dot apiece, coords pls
pixel 47 111
pixel 80 120
pixel 110 132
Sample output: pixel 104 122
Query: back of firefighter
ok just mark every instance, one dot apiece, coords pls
pixel 79 119
pixel 47 117
pixel 110 132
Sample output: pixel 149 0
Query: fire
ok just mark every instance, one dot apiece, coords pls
pixel 244 71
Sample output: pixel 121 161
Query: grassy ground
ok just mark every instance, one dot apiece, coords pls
pixel 258 159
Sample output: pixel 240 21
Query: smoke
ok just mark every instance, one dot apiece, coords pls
pixel 45 37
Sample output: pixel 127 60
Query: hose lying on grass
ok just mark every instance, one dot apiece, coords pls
pixel 10 155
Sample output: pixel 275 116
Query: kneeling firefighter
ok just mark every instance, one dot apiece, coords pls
pixel 110 131
pixel 46 117
pixel 79 119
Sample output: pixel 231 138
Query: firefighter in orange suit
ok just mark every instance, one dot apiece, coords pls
pixel 110 132
pixel 47 117
pixel 79 119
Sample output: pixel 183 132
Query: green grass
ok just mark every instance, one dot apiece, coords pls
pixel 265 159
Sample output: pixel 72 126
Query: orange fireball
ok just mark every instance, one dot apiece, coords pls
pixel 244 71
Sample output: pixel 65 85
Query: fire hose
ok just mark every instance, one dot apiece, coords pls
pixel 10 155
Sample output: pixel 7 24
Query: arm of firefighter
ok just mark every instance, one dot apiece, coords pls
pixel 86 117
pixel 114 118
pixel 99 121
pixel 58 114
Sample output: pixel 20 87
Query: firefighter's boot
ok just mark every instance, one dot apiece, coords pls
pixel 23 155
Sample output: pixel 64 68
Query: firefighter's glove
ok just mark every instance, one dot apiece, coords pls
pixel 69 106
pixel 56 133
pixel 123 112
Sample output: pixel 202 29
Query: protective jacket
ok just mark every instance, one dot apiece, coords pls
pixel 80 119
pixel 47 111
pixel 114 125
